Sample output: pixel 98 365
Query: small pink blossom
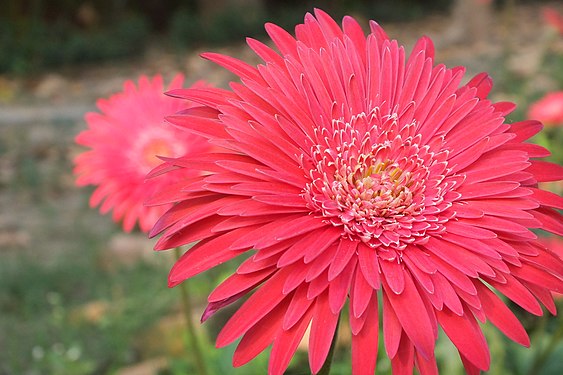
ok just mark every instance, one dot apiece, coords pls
pixel 548 110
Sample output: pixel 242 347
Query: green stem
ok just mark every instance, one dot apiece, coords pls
pixel 540 359
pixel 325 370
pixel 193 342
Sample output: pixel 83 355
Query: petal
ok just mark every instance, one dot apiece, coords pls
pixel 322 332
pixel 364 343
pixel 501 316
pixel 412 315
pixel 466 336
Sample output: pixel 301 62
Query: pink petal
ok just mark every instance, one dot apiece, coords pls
pixel 257 338
pixel 238 67
pixel 403 362
pixel 237 283
pixel 501 316
pixel 338 288
pixel 391 328
pixel 322 332
pixel 297 308
pixel 285 345
pixel 364 343
pixel 483 83
pixel 466 336
pixel 545 171
pixel 260 304
pixel 203 256
pixel 547 198
pixel 346 249
pixel 369 265
pixel 412 315
pixel 518 293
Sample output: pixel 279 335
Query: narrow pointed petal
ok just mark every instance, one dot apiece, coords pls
pixel 466 336
pixel 412 315
pixel 322 332
pixel 364 343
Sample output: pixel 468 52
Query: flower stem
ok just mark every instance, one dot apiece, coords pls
pixel 325 370
pixel 193 342
pixel 542 357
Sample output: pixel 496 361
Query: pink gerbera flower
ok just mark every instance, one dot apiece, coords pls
pixel 355 172
pixel 549 109
pixel 124 143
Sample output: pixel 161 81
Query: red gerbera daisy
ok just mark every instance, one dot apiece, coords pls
pixel 357 173
pixel 125 141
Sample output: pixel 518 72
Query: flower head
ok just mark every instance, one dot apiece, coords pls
pixel 125 142
pixel 548 110
pixel 553 18
pixel 352 169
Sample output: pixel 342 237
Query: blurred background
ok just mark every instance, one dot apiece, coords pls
pixel 78 296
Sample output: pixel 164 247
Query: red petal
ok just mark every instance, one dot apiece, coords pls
pixel 447 294
pixel 359 294
pixel 501 316
pixel 465 229
pixel 283 40
pixel 338 288
pixel 518 293
pixel 459 257
pixel 322 332
pixel 394 274
pixel 285 345
pixel 346 249
pixel 298 306
pixel 364 343
pixel 483 83
pixel 259 336
pixel 204 255
pixel 260 304
pixel 466 336
pixel 540 277
pixel 550 220
pixel 525 130
pixel 403 362
pixel 179 211
pixel 413 316
pixel 369 265
pixel 238 67
pixel 260 231
pixel 205 127
pixel 237 283
pixel 198 231
pixel 545 171
pixel 484 189
pixel 298 250
pixel 391 328
pixel 547 198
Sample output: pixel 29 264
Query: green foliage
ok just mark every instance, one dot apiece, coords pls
pixel 30 47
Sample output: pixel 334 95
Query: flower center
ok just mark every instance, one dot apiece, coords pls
pixel 373 188
pixel 370 176
pixel 154 148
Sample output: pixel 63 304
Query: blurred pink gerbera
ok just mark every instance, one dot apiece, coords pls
pixel 355 170
pixel 124 143
pixel 548 109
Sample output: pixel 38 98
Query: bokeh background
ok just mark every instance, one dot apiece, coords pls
pixel 78 296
